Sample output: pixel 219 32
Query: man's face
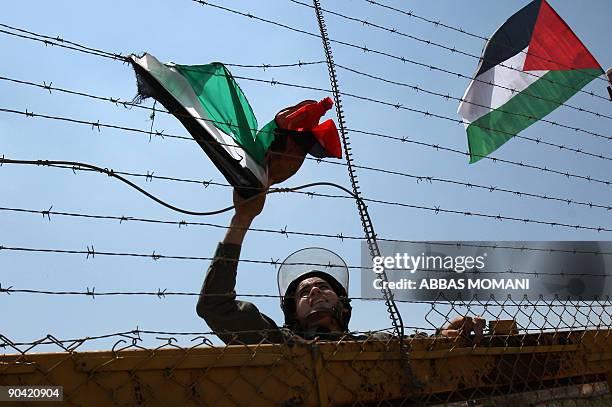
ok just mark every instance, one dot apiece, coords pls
pixel 315 300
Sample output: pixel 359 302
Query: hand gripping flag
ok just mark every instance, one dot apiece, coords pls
pixel 549 63
pixel 212 107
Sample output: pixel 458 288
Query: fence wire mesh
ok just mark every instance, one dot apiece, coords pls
pixel 530 353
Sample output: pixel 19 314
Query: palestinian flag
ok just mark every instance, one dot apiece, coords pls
pixel 550 64
pixel 212 107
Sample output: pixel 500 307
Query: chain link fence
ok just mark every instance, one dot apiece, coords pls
pixel 530 354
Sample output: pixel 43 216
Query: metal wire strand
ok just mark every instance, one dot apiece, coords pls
pixel 97 125
pixel 438 23
pixel 47 40
pixel 365 49
pixel 47 213
pixel 163 293
pixel 428 114
pixel 419 178
pixel 126 104
pixel 111 173
pixel 452 50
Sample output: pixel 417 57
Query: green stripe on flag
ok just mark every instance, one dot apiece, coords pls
pixel 226 105
pixel 490 131
pixel 265 137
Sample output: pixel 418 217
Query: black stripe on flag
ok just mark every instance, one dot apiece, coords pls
pixel 511 38
pixel 240 177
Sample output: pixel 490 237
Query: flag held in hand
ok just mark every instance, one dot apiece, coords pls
pixel 208 101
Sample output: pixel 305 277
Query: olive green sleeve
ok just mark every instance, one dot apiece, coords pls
pixel 224 314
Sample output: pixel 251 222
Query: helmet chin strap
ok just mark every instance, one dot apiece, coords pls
pixel 335 312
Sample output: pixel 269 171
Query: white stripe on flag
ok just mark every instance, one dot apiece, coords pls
pixel 182 91
pixel 482 93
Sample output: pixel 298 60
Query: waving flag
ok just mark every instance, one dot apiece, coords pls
pixel 549 65
pixel 212 107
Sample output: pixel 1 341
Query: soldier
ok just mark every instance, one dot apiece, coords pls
pixel 314 298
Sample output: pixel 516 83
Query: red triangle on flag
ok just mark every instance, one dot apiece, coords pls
pixel 554 46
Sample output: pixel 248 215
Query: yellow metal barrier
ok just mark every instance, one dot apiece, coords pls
pixel 361 373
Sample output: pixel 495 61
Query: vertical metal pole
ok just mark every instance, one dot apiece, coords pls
pixel 366 221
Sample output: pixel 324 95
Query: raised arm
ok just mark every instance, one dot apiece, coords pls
pixel 217 303
pixel 246 210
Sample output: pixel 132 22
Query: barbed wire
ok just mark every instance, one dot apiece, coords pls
pixel 447 96
pixel 97 125
pixel 435 209
pixel 438 147
pixel 111 173
pixel 365 49
pixel 427 113
pixel 400 336
pixel 298 64
pixel 438 23
pixel 272 82
pixel 125 104
pixel 420 179
pixel 403 139
pixel 180 223
pixel 265 66
pixel 60 43
pixel 97 52
pixel 136 334
pixel 72 344
pixel 163 293
pixel 452 50
pixel 46 214
pixel 51 340
pixel 88 292
pixel 91 252
pixel 118 56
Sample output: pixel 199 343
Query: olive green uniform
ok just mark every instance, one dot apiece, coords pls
pixel 237 321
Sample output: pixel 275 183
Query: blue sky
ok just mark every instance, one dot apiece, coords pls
pixel 188 33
